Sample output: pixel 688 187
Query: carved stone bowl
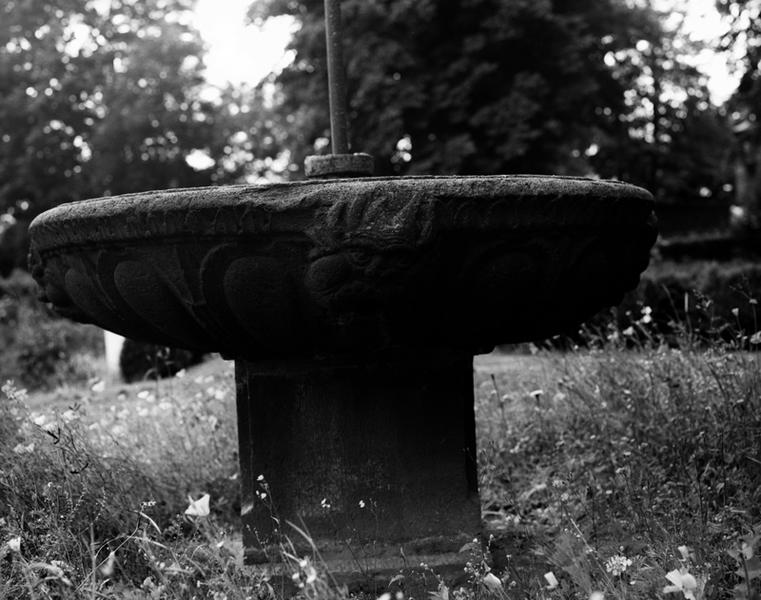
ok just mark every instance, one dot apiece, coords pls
pixel 353 309
pixel 316 268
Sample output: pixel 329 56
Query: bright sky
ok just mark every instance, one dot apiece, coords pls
pixel 704 23
pixel 238 53
pixel 246 54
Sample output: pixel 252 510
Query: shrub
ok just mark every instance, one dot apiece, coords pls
pixel 38 348
pixel 702 298
pixel 140 360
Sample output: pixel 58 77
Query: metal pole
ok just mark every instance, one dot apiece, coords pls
pixel 336 78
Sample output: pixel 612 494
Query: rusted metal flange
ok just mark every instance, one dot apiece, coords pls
pixel 358 164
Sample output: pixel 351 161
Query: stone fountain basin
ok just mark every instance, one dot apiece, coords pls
pixel 334 267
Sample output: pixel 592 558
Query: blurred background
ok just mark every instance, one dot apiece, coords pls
pixel 103 97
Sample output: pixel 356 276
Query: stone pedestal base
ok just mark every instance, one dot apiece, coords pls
pixel 375 460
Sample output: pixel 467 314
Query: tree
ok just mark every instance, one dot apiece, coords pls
pixel 744 38
pixel 669 137
pixel 105 98
pixel 483 86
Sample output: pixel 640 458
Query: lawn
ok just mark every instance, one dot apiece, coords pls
pixel 611 471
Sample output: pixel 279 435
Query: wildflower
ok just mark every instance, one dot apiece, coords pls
pixel 646 315
pixel 69 415
pixel 198 508
pixel 24 449
pixel 14 544
pixel 552 581
pixel 617 565
pixel 260 478
pixel 108 567
pixel 384 596
pixel 629 331
pixel 736 312
pixel 309 572
pixel 596 596
pixel 492 582
pixel 681 581
pixel 361 503
pixel 324 503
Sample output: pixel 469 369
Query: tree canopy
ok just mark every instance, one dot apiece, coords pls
pixel 108 97
pixel 743 37
pixel 103 98
pixel 482 86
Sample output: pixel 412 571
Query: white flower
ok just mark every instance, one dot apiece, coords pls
pixel 362 504
pixel 683 582
pixel 24 449
pixel 14 544
pixel 552 581
pixel 596 596
pixel 308 569
pixel 107 569
pixel 198 508
pixel 324 503
pixel 616 565
pixel 492 582
pixel 69 415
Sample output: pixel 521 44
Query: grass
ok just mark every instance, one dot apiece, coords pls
pixel 630 470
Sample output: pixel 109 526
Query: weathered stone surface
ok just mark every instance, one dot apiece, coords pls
pixel 313 268
pixel 339 165
pixel 375 459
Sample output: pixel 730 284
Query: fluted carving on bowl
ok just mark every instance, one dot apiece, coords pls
pixel 330 267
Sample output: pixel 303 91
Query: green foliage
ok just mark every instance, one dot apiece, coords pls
pixel 106 99
pixel 746 555
pixel 89 503
pixel 484 87
pixel 39 349
pixel 707 298
pixel 139 360
pixel 743 38
pixel 631 454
